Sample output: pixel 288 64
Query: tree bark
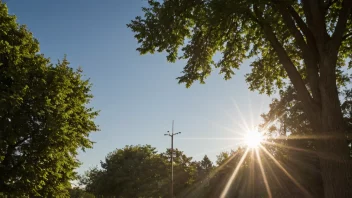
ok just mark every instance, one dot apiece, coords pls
pixel 336 174
pixel 334 156
pixel 323 109
pixel 336 169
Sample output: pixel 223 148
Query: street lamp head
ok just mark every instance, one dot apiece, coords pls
pixel 166 134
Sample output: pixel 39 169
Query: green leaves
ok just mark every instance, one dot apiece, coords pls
pixel 139 171
pixel 79 193
pixel 133 171
pixel 43 116
pixel 196 30
pixel 199 29
pixel 222 157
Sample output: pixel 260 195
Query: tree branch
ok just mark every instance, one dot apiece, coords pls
pixel 309 57
pixel 10 149
pixel 293 28
pixel 346 36
pixel 328 4
pixel 315 20
pixel 20 142
pixel 340 28
pixel 307 13
pixel 285 60
pixel 304 28
pixel 306 31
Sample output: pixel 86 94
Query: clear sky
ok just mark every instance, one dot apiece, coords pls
pixel 138 95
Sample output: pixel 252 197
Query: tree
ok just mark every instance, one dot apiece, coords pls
pixel 43 116
pixel 133 171
pixel 222 158
pixel 293 138
pixel 139 171
pixel 292 142
pixel 206 164
pixel 94 181
pixel 185 170
pixel 306 42
pixel 219 178
pixel 79 193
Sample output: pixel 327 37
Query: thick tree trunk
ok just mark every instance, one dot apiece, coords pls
pixel 336 169
pixel 335 163
pixel 336 174
pixel 332 148
pixel 321 103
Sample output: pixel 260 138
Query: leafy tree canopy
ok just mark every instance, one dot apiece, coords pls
pixel 237 29
pixel 222 157
pixel 206 164
pixel 43 116
pixel 79 193
pixel 139 171
pixel 133 171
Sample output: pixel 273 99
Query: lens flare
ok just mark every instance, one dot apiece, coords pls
pixel 253 139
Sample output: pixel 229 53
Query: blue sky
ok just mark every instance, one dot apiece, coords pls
pixel 138 96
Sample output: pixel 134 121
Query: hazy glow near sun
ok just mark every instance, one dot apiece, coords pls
pixel 253 139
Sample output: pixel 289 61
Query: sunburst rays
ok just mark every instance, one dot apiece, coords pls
pixel 286 172
pixel 258 144
pixel 232 178
pixel 259 153
pixel 263 173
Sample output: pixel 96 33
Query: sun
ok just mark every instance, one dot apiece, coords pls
pixel 253 139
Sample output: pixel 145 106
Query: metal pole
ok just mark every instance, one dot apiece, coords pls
pixel 172 157
pixel 172 164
